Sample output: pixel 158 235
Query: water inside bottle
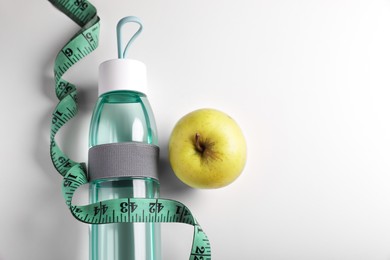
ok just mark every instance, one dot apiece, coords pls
pixel 124 116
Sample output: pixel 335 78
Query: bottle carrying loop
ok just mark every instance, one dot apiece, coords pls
pixel 122 53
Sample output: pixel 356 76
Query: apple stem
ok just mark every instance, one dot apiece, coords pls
pixel 198 146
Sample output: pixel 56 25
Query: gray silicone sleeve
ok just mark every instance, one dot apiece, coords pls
pixel 129 159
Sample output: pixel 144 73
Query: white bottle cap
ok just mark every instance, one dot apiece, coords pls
pixel 122 74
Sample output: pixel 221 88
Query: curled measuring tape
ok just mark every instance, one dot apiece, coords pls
pixel 119 210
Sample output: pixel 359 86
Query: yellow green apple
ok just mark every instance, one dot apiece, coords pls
pixel 207 149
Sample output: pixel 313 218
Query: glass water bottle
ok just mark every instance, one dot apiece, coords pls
pixel 123 124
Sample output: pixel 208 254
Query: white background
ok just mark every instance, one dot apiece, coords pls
pixel 307 81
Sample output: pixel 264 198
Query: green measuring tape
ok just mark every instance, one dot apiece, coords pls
pixel 119 210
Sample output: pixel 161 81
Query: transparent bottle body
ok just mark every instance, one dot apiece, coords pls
pixel 123 116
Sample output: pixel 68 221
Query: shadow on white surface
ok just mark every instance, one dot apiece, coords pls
pixel 50 232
